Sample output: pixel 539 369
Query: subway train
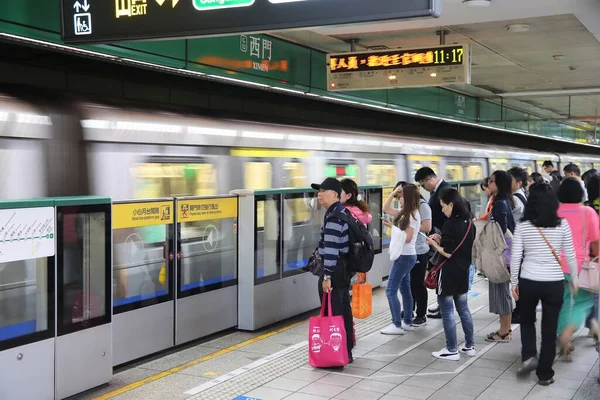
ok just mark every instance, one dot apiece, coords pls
pixel 51 148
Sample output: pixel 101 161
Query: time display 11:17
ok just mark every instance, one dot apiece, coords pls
pixel 394 59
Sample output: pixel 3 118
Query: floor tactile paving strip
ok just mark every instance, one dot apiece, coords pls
pixel 274 369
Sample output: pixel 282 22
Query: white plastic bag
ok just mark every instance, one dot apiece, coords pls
pixel 397 243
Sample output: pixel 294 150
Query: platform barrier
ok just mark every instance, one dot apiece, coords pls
pixel 280 229
pixel 55 324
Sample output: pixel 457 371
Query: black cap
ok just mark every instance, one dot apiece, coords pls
pixel 329 184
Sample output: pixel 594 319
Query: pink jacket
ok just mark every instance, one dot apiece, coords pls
pixel 364 217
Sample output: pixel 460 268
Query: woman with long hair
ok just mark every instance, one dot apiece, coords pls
pixel 485 187
pixel 408 220
pixel 536 274
pixel 351 199
pixel 456 244
pixel 417 274
pixel 585 227
pixel 500 301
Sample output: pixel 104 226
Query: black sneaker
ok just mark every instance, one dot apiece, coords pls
pixel 419 321
pixel 350 358
pixel 547 382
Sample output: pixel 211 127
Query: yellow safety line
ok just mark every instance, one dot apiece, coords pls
pixel 171 371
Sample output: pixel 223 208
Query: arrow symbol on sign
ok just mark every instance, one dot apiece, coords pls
pixel 77 6
pixel 175 3
pixel 85 6
pixel 160 2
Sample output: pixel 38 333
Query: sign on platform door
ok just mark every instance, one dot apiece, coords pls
pixel 26 233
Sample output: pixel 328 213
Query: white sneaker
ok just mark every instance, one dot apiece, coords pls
pixel 444 354
pixel 392 330
pixel 407 328
pixel 470 351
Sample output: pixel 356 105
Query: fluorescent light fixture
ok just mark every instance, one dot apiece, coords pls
pixel 56 46
pixel 263 135
pixel 305 138
pixel 211 131
pixel 392 144
pixel 23 118
pixel 367 142
pixel 280 89
pixel 95 124
pixel 147 127
pixel 339 140
pixel 3 116
pixel 551 92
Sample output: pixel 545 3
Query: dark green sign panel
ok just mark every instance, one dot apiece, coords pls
pixel 102 21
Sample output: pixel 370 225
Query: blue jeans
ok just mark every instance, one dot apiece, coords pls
pixel 400 279
pixel 447 309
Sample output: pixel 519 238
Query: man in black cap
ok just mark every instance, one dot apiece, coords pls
pixel 334 247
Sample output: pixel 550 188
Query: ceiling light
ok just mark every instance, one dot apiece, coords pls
pixel 433 74
pixel 392 77
pixel 477 3
pixel 516 28
pixel 558 57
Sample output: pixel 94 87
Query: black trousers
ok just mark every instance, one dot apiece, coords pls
pixel 417 285
pixel 551 295
pixel 340 300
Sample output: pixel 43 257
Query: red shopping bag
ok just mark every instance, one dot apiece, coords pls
pixel 327 338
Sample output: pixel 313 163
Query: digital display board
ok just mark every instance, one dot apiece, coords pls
pixel 105 21
pixel 429 66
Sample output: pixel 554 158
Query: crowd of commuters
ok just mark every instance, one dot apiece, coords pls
pixel 550 229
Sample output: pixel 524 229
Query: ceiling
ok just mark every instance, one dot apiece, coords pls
pixel 503 62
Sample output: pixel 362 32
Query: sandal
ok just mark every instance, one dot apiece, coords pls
pixel 497 337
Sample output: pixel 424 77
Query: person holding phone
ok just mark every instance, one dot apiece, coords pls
pixel 408 220
pixel 417 274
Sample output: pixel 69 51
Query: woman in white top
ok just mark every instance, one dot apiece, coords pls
pixel 536 274
pixel 408 220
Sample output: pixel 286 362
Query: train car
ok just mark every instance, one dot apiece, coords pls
pixel 132 154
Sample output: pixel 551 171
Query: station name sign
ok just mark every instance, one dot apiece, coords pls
pixel 430 66
pixel 104 21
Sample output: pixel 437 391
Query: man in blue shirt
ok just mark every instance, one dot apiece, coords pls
pixel 334 247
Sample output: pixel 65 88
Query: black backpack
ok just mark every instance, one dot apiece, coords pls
pixel 361 253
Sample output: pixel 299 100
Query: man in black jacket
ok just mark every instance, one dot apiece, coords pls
pixel 428 180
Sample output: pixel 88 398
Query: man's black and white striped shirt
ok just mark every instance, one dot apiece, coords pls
pixel 538 262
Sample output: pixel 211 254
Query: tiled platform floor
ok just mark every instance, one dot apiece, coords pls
pixel 385 367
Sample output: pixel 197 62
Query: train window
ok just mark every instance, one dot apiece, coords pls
pixel 454 172
pixel 418 165
pixel 258 175
pixel 294 175
pixel 342 171
pixel 474 172
pixel 154 180
pixel 498 165
pixel 583 167
pixel 381 174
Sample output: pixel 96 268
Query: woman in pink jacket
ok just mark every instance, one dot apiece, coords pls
pixel 352 200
